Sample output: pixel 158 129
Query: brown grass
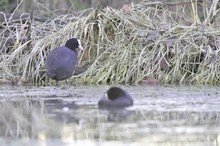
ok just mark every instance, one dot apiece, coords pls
pixel 121 46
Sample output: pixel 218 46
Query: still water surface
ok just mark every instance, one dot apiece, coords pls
pixel 67 116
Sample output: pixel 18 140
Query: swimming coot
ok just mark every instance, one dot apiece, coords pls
pixel 61 61
pixel 115 97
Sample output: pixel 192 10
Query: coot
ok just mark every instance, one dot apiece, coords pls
pixel 61 61
pixel 115 97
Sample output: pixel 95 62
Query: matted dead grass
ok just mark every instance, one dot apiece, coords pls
pixel 121 46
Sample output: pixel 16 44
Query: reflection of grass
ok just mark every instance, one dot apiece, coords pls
pixel 15 119
pixel 31 120
pixel 120 46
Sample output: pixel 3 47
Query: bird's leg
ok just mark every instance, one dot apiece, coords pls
pixel 57 83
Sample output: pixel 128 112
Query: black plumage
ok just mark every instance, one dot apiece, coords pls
pixel 61 61
pixel 115 97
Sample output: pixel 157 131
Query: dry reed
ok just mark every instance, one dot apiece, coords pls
pixel 121 46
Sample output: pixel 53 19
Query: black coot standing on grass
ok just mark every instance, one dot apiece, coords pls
pixel 115 98
pixel 61 61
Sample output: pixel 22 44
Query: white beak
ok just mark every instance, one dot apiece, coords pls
pixel 106 96
pixel 80 46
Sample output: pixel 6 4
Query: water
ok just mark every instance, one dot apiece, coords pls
pixel 66 116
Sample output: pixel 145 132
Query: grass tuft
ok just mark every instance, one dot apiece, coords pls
pixel 121 46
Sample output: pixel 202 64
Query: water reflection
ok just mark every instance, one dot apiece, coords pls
pixel 59 121
pixel 43 120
